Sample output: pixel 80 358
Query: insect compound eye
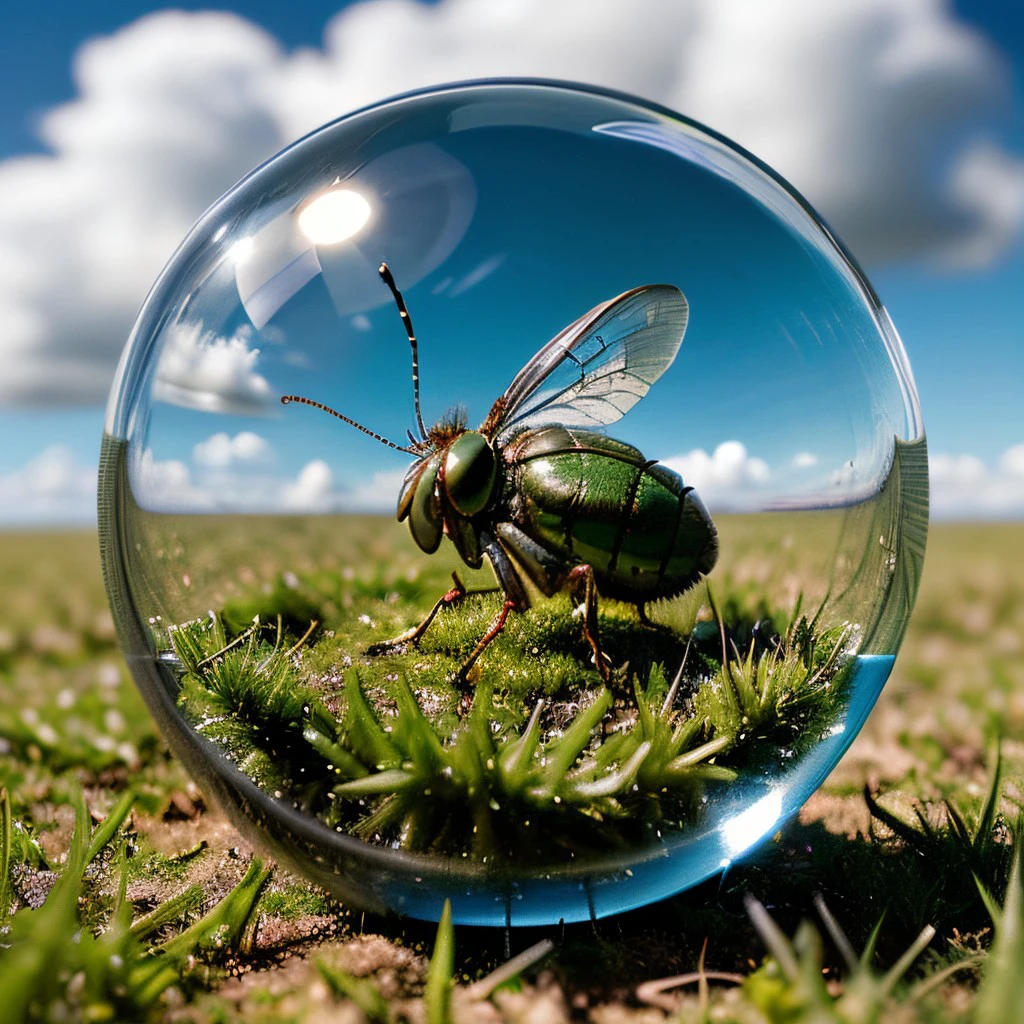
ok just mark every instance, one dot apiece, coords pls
pixel 408 491
pixel 469 473
pixel 425 520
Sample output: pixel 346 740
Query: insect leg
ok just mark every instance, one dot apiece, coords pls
pixel 545 569
pixel 583 590
pixel 414 635
pixel 646 620
pixel 515 600
pixel 508 575
pixel 492 631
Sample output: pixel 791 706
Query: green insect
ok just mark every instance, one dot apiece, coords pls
pixel 545 497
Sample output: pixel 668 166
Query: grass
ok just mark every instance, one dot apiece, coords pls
pixel 386 747
pixel 71 725
pixel 516 768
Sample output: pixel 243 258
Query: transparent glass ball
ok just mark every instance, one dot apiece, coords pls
pixel 566 606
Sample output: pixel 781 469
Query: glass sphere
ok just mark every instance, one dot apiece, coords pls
pixel 645 580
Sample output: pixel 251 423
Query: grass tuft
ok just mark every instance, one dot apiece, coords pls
pixel 112 971
pixel 538 768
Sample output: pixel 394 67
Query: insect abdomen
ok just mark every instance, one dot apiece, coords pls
pixel 588 498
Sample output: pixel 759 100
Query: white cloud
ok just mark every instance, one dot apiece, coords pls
pixel 167 485
pixel 236 474
pixel 875 109
pixel 857 102
pixel 1011 462
pixel 222 450
pixel 200 370
pixel 729 478
pixel 964 487
pixel 804 460
pixel 50 488
pixel 378 494
pixel 169 113
pixel 312 491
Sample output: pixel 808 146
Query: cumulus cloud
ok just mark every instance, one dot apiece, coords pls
pixel 200 370
pixel 312 490
pixel 222 450
pixel 876 109
pixel 169 112
pixel 729 478
pixel 378 494
pixel 50 488
pixel 237 474
pixel 964 487
pixel 316 490
pixel 166 485
pixel 732 479
pixel 873 110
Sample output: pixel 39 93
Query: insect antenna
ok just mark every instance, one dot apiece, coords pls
pixel 287 399
pixel 403 312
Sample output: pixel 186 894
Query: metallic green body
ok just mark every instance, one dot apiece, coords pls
pixel 552 499
pixel 584 498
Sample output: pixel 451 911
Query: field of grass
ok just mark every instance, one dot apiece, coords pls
pixel 124 896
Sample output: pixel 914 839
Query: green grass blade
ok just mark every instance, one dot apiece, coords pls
pixel 617 781
pixel 564 751
pixel 393 780
pixel 6 841
pixel 177 907
pixel 107 829
pixel 902 965
pixel 370 741
pixel 413 733
pixel 39 937
pixel 868 953
pixel 361 991
pixel 225 922
pixel 437 997
pixel 991 905
pixel 516 757
pixel 702 753
pixel 999 994
pixel 774 938
pixel 340 760
pixel 987 821
pixel 645 716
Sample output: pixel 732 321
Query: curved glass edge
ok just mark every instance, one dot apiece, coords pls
pixel 655 115
pixel 370 876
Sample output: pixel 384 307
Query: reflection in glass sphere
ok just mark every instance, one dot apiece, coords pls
pixel 646 580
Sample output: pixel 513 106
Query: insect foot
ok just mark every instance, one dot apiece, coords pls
pixel 413 636
pixel 583 591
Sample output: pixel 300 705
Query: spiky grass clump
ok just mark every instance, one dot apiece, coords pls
pixel 520 792
pixel 538 769
pixel 245 696
pixel 783 697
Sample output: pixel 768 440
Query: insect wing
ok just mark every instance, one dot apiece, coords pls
pixel 598 368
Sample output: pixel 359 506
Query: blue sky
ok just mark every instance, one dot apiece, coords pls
pixel 953 289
